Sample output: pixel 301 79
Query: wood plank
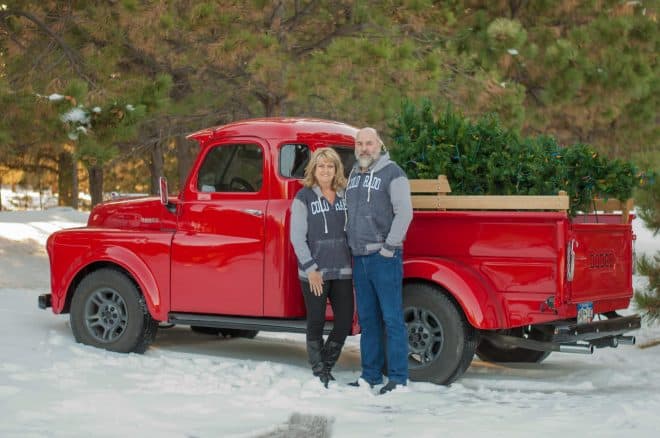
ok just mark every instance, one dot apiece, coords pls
pixel 612 204
pixel 615 205
pixel 425 202
pixel 424 186
pixel 430 202
pixel 514 202
pixel 439 185
pixel 559 202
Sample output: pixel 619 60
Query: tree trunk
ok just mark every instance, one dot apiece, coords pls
pixel 65 179
pixel 96 183
pixel 185 154
pixel 74 184
pixel 157 166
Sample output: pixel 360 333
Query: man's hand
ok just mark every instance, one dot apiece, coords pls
pixel 386 252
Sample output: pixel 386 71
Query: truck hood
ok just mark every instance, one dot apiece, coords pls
pixel 133 214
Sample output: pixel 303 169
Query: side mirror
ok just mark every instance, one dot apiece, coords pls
pixel 164 195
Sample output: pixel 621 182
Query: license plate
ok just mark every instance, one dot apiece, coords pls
pixel 585 313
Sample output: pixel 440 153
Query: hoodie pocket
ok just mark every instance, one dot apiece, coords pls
pixel 368 232
pixel 332 254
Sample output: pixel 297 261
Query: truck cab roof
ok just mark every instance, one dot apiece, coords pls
pixel 299 129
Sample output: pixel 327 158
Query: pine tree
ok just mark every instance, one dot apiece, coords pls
pixel 648 300
pixel 581 72
pixel 484 157
pixel 648 208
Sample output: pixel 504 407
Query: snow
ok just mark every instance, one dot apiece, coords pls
pixel 22 198
pixel 194 385
pixel 75 115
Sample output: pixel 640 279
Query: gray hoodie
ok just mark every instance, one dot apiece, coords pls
pixel 379 207
pixel 318 236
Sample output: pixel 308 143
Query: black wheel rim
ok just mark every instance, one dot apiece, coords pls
pixel 106 315
pixel 425 336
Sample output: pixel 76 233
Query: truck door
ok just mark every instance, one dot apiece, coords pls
pixel 218 250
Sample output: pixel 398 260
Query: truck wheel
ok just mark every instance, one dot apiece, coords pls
pixel 441 343
pixel 490 352
pixel 108 311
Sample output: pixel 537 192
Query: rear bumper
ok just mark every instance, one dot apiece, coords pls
pixel 570 337
pixel 570 331
pixel 45 301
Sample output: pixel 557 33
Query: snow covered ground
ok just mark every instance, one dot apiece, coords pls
pixel 193 385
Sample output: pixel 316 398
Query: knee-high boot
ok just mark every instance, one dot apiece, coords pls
pixel 315 353
pixel 331 352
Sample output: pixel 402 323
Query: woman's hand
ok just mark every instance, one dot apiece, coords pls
pixel 316 282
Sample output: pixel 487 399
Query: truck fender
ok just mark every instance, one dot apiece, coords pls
pixel 474 295
pixel 136 269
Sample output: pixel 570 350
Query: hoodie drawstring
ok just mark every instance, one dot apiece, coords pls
pixel 346 199
pixel 371 177
pixel 325 221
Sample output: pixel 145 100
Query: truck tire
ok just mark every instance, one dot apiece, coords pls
pixel 108 311
pixel 441 343
pixel 490 352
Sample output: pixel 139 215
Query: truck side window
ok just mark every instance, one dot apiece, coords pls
pixel 347 157
pixel 232 168
pixel 293 160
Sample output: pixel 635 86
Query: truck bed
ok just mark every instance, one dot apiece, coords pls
pixel 523 259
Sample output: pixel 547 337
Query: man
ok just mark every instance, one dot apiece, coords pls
pixel 379 212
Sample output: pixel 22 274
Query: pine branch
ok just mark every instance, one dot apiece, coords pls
pixel 70 54
pixel 299 14
pixel 325 41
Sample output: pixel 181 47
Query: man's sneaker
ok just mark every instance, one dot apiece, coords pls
pixel 387 388
pixel 357 383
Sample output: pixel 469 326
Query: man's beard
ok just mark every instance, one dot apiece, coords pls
pixel 365 161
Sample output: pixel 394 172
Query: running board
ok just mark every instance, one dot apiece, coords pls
pixel 243 322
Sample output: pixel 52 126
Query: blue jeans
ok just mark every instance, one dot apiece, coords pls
pixel 378 294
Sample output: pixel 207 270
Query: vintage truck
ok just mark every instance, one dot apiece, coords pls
pixel 480 275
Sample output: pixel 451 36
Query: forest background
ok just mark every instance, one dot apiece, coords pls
pixel 98 95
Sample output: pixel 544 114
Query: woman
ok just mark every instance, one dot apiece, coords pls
pixel 324 261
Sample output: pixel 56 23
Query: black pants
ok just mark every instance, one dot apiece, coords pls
pixel 340 294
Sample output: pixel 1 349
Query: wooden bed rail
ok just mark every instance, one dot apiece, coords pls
pixel 432 194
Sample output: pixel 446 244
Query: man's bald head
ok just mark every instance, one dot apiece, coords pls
pixel 368 145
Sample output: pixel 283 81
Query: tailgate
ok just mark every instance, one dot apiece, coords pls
pixel 603 262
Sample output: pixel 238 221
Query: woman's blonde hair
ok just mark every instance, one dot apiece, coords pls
pixel 338 182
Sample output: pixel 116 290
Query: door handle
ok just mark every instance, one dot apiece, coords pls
pixel 253 212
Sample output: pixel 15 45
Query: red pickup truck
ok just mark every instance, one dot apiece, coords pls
pixel 508 285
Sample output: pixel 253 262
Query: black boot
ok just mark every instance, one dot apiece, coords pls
pixel 314 351
pixel 331 352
